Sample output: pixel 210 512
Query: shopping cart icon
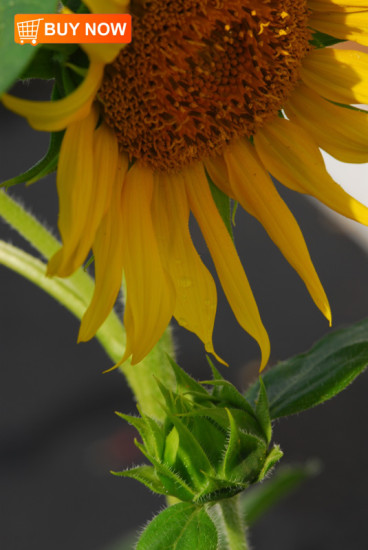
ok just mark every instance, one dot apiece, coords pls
pixel 27 30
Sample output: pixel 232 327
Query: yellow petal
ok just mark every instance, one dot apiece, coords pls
pixel 107 6
pixel 337 5
pixel 228 266
pixel 104 53
pixel 196 296
pixel 52 116
pixel 347 26
pixel 339 131
pixel 108 255
pixel 150 295
pixel 217 170
pixel 337 75
pixel 292 157
pixel 255 191
pixel 84 185
pixel 75 189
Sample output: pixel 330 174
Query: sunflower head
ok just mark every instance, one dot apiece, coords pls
pixel 211 444
pixel 199 74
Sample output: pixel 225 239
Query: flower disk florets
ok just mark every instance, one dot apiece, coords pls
pixel 201 72
pixel 211 444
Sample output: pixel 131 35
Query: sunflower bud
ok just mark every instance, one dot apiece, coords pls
pixel 211 445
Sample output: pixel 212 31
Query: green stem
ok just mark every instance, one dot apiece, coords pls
pixel 75 294
pixel 233 527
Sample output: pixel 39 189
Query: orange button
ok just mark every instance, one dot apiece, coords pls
pixel 72 28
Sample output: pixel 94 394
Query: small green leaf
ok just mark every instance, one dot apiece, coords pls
pixel 15 57
pixel 309 379
pixel 263 411
pixel 223 204
pixel 258 500
pixel 180 527
pixel 322 40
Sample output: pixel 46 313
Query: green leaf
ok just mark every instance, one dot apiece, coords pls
pixel 223 203
pixel 309 379
pixel 180 527
pixel 15 57
pixel 258 500
pixel 322 40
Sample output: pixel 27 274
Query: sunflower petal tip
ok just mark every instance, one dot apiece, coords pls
pixel 111 368
pixel 265 353
pixel 209 348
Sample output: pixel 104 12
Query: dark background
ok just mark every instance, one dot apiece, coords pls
pixel 59 437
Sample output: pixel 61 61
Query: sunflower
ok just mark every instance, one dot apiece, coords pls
pixel 224 91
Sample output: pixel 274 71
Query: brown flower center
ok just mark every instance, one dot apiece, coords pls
pixel 201 72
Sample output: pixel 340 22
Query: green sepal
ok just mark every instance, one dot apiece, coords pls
pixel 43 167
pixel 210 435
pixel 219 415
pixel 223 489
pixel 150 432
pixel 191 454
pixel 171 480
pixel 47 164
pixel 185 382
pixel 322 40
pixel 171 447
pixel 180 527
pixel 146 475
pixel 226 393
pixel 272 458
pixel 239 445
pixel 263 411
pixel 170 400
pixel 307 380
pixel 232 451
